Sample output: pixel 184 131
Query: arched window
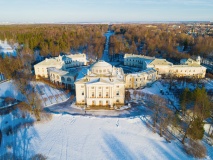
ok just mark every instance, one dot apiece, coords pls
pixel 62 78
pixel 57 77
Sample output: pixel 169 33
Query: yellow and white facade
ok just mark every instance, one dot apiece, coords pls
pixel 104 85
pixel 61 62
pixel 187 68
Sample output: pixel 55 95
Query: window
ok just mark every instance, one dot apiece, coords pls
pixel 99 87
pixel 93 94
pixel 107 94
pixel 100 102
pixel 107 87
pixel 117 93
pixel 82 93
pixel 107 102
pixel 92 87
pixel 99 94
pixel 93 102
pixel 136 79
pixel 117 86
pixel 82 86
pixel 82 100
pixel 117 100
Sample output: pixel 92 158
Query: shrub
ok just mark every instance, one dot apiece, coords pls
pixel 38 157
pixel 195 149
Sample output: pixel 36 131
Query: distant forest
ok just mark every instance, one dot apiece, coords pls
pixel 55 39
pixel 160 40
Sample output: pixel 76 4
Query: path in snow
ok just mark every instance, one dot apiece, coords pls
pixel 105 55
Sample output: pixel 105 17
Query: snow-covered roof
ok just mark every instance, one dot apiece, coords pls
pixel 161 62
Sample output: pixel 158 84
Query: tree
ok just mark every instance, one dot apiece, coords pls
pixel 196 130
pixel 184 100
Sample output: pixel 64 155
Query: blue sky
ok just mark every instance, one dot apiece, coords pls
pixel 22 11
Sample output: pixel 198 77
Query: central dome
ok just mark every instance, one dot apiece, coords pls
pixel 101 67
pixel 101 63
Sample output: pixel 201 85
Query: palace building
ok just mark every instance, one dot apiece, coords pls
pixel 187 68
pixel 103 85
pixel 61 62
pixel 140 79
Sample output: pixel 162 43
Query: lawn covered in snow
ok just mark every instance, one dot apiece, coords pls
pixel 84 137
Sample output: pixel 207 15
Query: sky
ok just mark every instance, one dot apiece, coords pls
pixel 74 11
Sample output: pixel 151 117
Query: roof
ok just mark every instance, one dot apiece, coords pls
pixel 144 72
pixel 50 62
pixel 161 62
pixel 57 71
pixel 137 56
pixel 101 63
pixel 189 65
pixel 76 55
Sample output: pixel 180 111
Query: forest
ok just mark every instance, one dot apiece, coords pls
pixel 159 40
pixel 55 39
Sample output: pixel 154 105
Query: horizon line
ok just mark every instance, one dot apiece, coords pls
pixel 108 22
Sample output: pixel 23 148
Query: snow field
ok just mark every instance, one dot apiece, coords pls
pixel 83 137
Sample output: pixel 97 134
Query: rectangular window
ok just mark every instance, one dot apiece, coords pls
pixel 117 93
pixel 107 94
pixel 117 100
pixel 99 94
pixel 82 93
pixel 93 94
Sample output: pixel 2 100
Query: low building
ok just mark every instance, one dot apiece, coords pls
pixel 141 79
pixel 103 85
pixel 140 61
pixel 61 62
pixel 62 77
pixel 6 49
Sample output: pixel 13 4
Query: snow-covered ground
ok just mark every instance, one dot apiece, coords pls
pixel 84 137
pixel 121 135
pixel 49 95
pixel 7 89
